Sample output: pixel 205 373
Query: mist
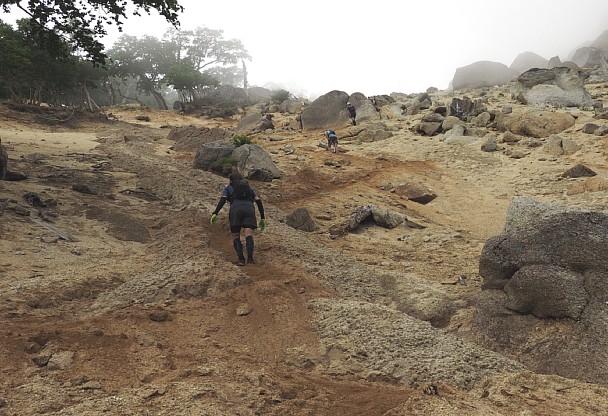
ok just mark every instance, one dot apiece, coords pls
pixel 382 46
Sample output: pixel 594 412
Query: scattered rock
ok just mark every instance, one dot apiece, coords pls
pixel 415 192
pixel 300 219
pixel 159 316
pixel 85 188
pixel 60 360
pixel 578 171
pixel 243 309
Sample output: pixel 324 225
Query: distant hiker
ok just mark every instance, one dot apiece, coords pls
pixel 332 140
pixel 352 113
pixel 182 108
pixel 241 215
pixel 269 117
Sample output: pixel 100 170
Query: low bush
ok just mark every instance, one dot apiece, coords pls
pixel 240 140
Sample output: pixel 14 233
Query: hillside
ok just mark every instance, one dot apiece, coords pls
pixel 118 297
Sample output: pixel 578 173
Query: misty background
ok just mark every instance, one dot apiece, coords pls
pixel 382 46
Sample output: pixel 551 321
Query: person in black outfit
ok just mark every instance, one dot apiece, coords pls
pixel 241 215
pixel 352 112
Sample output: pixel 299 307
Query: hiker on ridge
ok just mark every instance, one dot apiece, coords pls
pixel 352 112
pixel 241 215
pixel 332 140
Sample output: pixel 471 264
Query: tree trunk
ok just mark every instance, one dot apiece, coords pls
pixel 162 104
pixel 14 96
pixel 245 78
pixel 92 104
pixel 125 98
pixel 112 94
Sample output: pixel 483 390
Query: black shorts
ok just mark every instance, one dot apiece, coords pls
pixel 242 216
pixel 332 140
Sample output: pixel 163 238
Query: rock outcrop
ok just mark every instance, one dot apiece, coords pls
pixel 528 60
pixel 557 87
pixel 534 123
pixel 191 138
pixel 482 74
pixel 544 276
pixel 254 162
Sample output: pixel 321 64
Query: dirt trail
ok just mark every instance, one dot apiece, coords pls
pixel 147 314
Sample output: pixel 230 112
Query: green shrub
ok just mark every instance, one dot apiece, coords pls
pixel 240 140
pixel 223 165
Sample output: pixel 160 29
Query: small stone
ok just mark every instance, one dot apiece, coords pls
pixel 243 310
pixel 49 239
pixel 92 385
pixel 42 360
pixel 159 316
pixel 60 360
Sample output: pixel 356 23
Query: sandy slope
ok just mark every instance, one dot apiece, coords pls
pixel 146 314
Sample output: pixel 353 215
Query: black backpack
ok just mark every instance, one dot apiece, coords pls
pixel 242 190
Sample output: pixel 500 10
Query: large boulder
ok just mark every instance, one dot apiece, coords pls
pixel 544 289
pixel 254 123
pixel 291 106
pixel 326 112
pixel 528 60
pixel 482 74
pixel 209 153
pixel 534 122
pixel 553 62
pixel 5 174
pixel 393 111
pixel 254 162
pixel 589 57
pixel 329 111
pixel 190 138
pixel 558 87
pixel 366 110
pixel 537 233
pixel 465 107
pixel 258 94
pixel 374 132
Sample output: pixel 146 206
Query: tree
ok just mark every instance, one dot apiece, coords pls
pixel 81 23
pixel 146 59
pixel 187 80
pixel 207 52
pixel 188 61
pixel 15 60
pixel 208 47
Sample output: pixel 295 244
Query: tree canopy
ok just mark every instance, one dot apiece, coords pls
pixel 188 61
pixel 185 65
pixel 29 73
pixel 82 23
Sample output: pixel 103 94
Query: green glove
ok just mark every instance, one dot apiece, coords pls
pixel 213 219
pixel 262 224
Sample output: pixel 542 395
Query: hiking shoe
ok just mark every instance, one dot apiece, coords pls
pixel 240 262
pixel 250 261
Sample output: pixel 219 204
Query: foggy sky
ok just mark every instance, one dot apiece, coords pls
pixel 384 46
